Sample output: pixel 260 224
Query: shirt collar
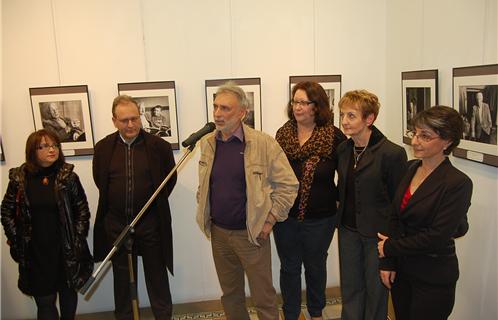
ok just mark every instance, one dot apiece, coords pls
pixel 130 142
pixel 239 134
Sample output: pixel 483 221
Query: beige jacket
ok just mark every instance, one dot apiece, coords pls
pixel 271 186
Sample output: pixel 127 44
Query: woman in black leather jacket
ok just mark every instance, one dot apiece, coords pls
pixel 45 216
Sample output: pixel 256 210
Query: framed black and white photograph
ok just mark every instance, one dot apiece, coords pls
pixel 252 88
pixel 475 97
pixel 419 92
pixel 2 155
pixel 158 108
pixel 332 86
pixel 66 112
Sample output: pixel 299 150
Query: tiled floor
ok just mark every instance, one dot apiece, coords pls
pixel 212 310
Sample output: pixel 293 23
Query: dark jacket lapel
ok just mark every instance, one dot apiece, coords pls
pixel 374 143
pixel 430 184
pixel 106 160
pixel 367 158
pixel 346 152
pixel 154 164
pixel 405 182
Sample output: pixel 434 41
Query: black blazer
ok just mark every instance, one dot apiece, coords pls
pixel 160 161
pixel 422 235
pixel 377 177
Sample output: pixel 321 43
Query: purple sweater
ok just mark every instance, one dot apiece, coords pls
pixel 228 184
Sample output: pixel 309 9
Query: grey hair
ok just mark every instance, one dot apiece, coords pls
pixel 233 88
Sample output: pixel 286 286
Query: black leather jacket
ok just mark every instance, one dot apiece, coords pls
pixel 74 218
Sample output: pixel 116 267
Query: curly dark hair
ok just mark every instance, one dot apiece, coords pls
pixel 318 96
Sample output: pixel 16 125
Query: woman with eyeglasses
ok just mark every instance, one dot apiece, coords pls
pixel 430 210
pixel 369 170
pixel 45 217
pixel 309 139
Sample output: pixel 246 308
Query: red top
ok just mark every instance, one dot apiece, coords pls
pixel 406 197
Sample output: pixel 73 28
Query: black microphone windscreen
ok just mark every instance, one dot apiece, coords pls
pixel 196 136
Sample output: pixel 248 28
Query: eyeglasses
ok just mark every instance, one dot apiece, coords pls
pixel 46 146
pixel 126 120
pixel 301 103
pixel 424 136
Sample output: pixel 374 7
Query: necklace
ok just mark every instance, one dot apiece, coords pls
pixel 46 179
pixel 357 155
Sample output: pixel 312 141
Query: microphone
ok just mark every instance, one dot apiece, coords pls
pixel 196 136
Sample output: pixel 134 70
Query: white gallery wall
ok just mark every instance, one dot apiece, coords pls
pixel 444 34
pixel 1 169
pixel 102 43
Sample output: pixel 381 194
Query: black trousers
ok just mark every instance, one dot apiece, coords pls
pixel 68 301
pixel 414 299
pixel 147 244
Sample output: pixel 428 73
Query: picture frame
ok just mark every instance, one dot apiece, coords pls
pixel 65 110
pixel 2 155
pixel 332 86
pixel 475 97
pixel 158 108
pixel 252 88
pixel 419 92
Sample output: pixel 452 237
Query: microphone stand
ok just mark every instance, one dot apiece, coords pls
pixel 131 274
pixel 129 229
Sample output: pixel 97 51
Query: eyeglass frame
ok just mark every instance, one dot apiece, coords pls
pixel 423 136
pixel 301 103
pixel 127 120
pixel 46 146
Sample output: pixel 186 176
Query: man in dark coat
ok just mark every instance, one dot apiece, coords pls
pixel 128 166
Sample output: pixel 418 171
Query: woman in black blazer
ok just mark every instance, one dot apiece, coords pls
pixel 419 260
pixel 369 170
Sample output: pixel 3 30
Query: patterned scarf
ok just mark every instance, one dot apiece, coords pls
pixel 319 145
